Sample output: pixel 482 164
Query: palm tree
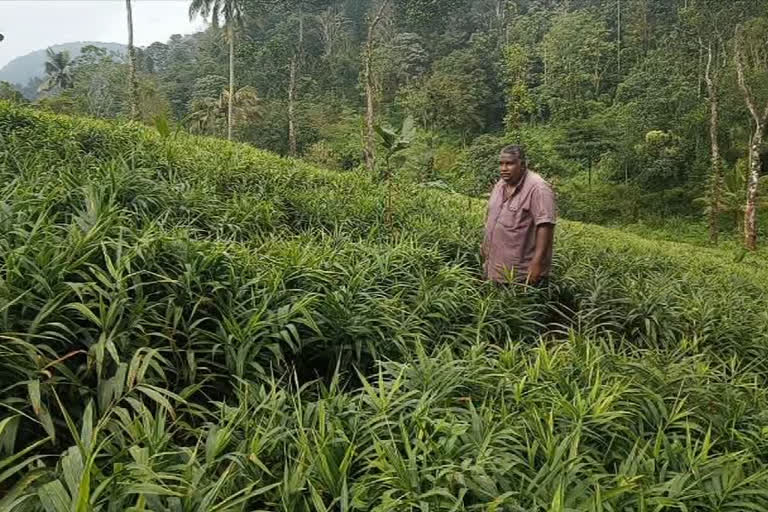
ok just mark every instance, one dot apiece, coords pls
pixel 231 11
pixel 58 70
pixel 245 105
pixel 208 113
pixel 133 84
pixel 204 116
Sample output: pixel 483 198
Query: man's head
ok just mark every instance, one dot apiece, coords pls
pixel 513 164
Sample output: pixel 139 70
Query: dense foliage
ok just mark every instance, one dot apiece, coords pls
pixel 189 324
pixel 609 95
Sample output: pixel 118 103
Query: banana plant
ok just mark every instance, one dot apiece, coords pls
pixel 393 141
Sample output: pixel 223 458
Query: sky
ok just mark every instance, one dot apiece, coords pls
pixel 30 25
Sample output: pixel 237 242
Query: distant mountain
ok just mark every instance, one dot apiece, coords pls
pixel 21 69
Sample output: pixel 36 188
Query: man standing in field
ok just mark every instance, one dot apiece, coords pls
pixel 520 225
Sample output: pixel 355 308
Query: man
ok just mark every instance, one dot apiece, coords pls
pixel 520 225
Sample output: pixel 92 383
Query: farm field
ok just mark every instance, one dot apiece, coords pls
pixel 188 324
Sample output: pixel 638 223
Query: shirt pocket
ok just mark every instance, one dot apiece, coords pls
pixel 515 216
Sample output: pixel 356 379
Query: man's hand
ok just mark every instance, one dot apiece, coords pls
pixel 535 272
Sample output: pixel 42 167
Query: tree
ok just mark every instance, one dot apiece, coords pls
pixel 453 96
pixel 757 63
pixel 370 110
pixel 576 54
pixel 712 80
pixel 58 71
pixel 133 84
pixel 731 197
pixel 426 15
pixel 231 11
pixel 9 93
pixel 179 65
pixel 156 57
pixel 296 58
pixel 586 140
pixel 208 86
pixel 519 100
pixel 710 20
pixel 99 84
pixel 339 55
pixel 300 7
pixel 209 114
pixel 245 106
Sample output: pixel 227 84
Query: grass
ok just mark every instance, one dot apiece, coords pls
pixel 693 232
pixel 188 324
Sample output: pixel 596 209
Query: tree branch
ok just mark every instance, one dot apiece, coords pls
pixel 377 19
pixel 743 82
pixel 708 70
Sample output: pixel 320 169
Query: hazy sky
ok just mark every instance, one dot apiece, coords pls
pixel 30 25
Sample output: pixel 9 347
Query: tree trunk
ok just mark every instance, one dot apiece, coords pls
pixel 370 113
pixel 230 121
pixel 717 164
pixel 750 213
pixel 292 88
pixel 501 19
pixel 618 35
pixel 132 83
pixel 755 164
pixel 698 71
pixel 370 141
pixel 291 113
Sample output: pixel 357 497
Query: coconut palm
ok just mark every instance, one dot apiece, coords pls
pixel 133 84
pixel 231 12
pixel 208 114
pixel 58 70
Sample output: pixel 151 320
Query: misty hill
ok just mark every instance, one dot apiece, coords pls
pixel 21 69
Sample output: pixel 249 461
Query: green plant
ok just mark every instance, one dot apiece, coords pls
pixel 393 142
pixel 190 324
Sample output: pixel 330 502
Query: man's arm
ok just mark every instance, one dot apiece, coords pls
pixel 544 216
pixel 545 234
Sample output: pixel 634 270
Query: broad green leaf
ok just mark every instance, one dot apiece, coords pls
pixel 86 433
pixel 54 497
pixel 72 468
pixel 8 430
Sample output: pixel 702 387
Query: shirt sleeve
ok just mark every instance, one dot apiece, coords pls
pixel 543 205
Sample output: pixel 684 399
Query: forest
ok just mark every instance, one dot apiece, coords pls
pixel 240 270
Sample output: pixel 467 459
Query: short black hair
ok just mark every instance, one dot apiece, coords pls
pixel 515 150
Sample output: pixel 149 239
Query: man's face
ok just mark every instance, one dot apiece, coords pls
pixel 512 169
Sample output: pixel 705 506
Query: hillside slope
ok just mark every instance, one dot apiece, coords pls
pixel 303 199
pixel 21 69
pixel 166 305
